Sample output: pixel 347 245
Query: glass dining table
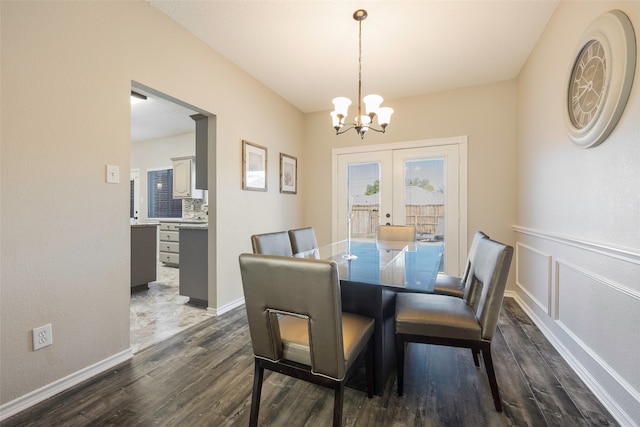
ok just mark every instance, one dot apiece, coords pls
pixel 408 266
pixel 371 273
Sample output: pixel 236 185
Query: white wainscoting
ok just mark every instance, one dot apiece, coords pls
pixel 533 277
pixel 585 297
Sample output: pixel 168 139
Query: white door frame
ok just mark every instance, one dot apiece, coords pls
pixel 461 141
pixel 134 176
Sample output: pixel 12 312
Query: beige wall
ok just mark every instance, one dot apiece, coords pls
pixel 486 114
pixel 64 231
pixel 578 239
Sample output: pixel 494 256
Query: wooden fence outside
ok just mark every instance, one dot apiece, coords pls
pixel 426 218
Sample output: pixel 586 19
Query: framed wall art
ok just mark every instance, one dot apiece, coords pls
pixel 254 167
pixel 288 174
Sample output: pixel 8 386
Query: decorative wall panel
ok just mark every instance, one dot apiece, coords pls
pixel 533 275
pixel 585 303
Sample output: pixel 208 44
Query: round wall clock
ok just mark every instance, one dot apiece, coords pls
pixel 600 80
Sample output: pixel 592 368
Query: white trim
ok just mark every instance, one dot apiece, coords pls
pixel 600 393
pixel 544 308
pixel 600 279
pixel 49 390
pixel 618 252
pixel 463 139
pixel 226 308
pixel 463 184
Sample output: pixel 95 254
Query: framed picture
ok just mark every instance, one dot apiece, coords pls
pixel 288 174
pixel 254 167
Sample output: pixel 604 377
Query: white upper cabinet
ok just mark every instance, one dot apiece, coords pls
pixel 184 179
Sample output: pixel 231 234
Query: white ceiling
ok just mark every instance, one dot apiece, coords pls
pixel 307 50
pixel 157 117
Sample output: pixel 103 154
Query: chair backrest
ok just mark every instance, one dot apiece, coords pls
pixel 397 233
pixel 272 244
pixel 301 287
pixel 303 242
pixel 487 282
pixel 472 251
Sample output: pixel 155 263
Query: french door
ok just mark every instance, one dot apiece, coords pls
pixel 418 186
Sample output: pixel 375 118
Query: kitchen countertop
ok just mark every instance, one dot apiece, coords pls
pixel 196 226
pixel 146 224
pixel 185 220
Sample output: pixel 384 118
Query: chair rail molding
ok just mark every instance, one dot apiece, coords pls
pixel 619 252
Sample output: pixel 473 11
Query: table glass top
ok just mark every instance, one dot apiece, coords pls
pixel 399 265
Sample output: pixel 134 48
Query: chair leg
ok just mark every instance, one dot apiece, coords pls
pixel 369 366
pixel 400 363
pixel 488 363
pixel 337 404
pixel 476 361
pixel 258 376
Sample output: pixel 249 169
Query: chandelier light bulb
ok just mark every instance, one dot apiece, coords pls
pixel 342 105
pixel 384 116
pixel 337 123
pixel 372 104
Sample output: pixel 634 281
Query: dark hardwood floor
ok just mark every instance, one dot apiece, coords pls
pixel 203 377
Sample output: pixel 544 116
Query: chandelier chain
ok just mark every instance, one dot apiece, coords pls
pixel 358 118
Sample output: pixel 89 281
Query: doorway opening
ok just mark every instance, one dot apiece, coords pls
pixel 164 128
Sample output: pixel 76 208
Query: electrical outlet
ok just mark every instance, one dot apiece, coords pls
pixel 42 337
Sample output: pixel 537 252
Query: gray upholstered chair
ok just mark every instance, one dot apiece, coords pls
pixel 453 285
pixel 272 244
pixel 303 242
pixel 297 325
pixel 395 236
pixel 459 322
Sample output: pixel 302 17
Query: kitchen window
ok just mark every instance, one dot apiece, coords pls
pixel 160 195
pixel 131 198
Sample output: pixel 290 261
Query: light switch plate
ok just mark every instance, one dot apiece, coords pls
pixel 113 174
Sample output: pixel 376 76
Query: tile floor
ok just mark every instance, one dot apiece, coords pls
pixel 161 312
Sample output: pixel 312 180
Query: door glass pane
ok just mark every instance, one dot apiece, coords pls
pixel 363 193
pixel 424 197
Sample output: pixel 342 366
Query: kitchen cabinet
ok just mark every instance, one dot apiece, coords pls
pixel 193 267
pixel 170 239
pixel 184 178
pixel 169 243
pixel 144 243
pixel 202 149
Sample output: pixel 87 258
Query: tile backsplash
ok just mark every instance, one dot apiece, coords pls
pixel 194 209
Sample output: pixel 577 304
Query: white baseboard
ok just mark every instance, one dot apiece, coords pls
pixel 599 392
pixel 43 393
pixel 225 308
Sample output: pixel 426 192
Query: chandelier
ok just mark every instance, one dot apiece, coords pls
pixel 362 122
